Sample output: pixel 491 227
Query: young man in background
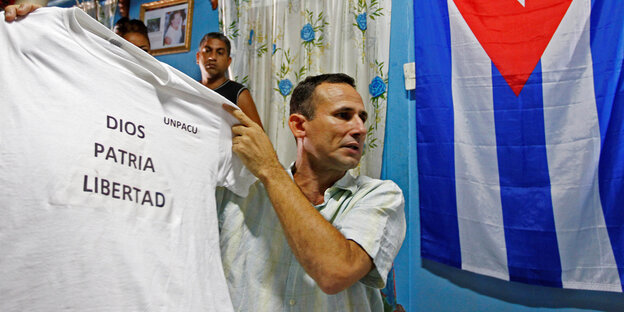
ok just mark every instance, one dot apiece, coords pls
pixel 213 59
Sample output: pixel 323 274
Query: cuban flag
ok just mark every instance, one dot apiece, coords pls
pixel 520 108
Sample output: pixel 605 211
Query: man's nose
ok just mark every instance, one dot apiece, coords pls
pixel 359 127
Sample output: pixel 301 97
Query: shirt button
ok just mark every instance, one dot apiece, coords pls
pixel 292 302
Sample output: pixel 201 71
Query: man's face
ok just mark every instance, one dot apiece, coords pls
pixel 213 59
pixel 334 138
pixel 138 40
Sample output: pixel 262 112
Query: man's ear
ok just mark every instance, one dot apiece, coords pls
pixel 197 58
pixel 229 60
pixel 296 122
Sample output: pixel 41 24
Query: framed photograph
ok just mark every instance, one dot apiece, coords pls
pixel 169 24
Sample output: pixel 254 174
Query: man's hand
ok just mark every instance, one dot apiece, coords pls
pixel 11 12
pixel 253 146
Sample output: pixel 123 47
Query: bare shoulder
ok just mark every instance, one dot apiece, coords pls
pixel 246 103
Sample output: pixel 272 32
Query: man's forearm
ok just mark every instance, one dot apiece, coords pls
pixel 334 262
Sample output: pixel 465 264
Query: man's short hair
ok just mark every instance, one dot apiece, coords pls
pixel 218 36
pixel 125 25
pixel 301 100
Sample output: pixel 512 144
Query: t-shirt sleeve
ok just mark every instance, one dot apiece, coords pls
pixel 377 223
pixel 232 172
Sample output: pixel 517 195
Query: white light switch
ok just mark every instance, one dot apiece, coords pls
pixel 409 72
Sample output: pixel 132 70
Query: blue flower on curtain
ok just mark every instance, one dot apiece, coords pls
pixel 285 86
pixel 377 87
pixel 361 21
pixel 274 49
pixel 251 33
pixel 307 33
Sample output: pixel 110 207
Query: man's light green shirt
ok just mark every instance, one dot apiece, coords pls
pixel 264 275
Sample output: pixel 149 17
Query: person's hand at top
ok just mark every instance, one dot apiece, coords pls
pixel 252 145
pixel 11 12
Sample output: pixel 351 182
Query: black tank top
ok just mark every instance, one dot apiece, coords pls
pixel 230 90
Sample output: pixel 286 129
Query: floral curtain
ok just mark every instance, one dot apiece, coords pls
pixel 277 43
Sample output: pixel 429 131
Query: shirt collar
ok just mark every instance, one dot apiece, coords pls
pixel 221 85
pixel 347 182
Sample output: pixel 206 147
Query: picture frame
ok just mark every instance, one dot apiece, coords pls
pixel 169 24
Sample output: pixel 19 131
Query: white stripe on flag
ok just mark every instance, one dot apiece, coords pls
pixel 480 217
pixel 573 147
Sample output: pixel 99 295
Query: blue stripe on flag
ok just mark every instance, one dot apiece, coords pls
pixel 530 236
pixel 607 48
pixel 434 120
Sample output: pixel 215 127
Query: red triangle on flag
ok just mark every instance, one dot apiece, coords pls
pixel 513 34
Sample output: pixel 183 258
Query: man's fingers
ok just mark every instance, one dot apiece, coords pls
pixel 238 130
pixel 9 12
pixel 26 8
pixel 238 114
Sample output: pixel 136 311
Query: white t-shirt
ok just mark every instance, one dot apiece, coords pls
pixel 109 161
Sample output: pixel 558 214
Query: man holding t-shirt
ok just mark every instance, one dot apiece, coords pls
pixel 313 237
